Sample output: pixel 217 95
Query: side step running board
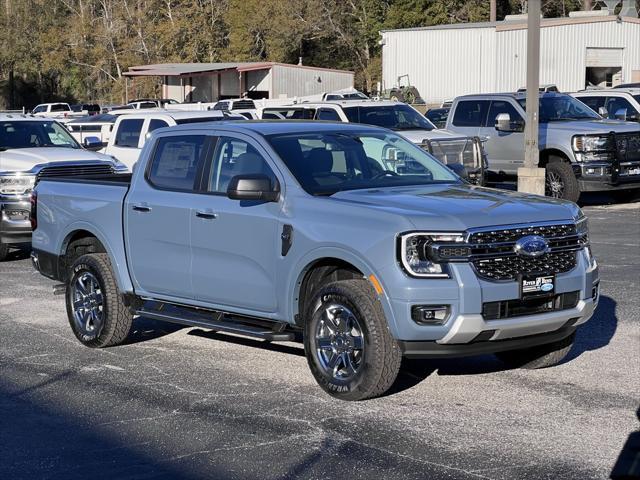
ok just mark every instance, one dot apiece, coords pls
pixel 217 321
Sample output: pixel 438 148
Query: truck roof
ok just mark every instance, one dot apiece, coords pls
pixel 175 114
pixel 24 117
pixel 516 95
pixel 340 103
pixel 271 127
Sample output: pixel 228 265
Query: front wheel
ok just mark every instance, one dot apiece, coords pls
pixel 560 181
pixel 97 313
pixel 349 348
pixel 542 356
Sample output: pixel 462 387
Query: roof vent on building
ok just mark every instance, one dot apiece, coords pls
pixel 589 13
pixel 522 17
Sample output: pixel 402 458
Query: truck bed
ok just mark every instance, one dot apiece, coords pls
pixel 91 203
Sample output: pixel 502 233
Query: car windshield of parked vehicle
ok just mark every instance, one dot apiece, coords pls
pixel 558 108
pixel 394 117
pixel 328 162
pixel 28 134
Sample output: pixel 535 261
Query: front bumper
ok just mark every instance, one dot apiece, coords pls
pixel 15 226
pixel 603 176
pixel 467 332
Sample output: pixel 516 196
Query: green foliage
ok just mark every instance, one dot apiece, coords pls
pixel 78 49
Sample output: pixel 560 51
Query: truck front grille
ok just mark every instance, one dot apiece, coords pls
pixel 511 234
pixel 71 170
pixel 509 267
pixel 628 146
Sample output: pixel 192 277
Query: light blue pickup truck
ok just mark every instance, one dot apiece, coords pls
pixel 346 235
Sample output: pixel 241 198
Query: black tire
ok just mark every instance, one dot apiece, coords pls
pixel 542 356
pixel 113 324
pixel 378 362
pixel 4 251
pixel 560 181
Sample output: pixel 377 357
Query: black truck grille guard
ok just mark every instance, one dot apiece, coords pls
pixel 491 251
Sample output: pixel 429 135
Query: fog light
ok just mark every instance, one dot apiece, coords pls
pixel 430 314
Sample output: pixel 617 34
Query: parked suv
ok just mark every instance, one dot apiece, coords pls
pixel 580 150
pixel 448 147
pixel 31 149
pixel 277 230
pixel 618 104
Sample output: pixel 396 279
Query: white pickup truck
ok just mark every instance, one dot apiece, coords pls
pixel 130 131
pixel 57 110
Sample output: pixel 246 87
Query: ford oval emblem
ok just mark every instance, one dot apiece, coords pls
pixel 531 246
pixel 546 287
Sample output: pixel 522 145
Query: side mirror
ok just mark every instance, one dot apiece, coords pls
pixel 604 113
pixel 253 187
pixel 504 124
pixel 621 114
pixel 92 143
pixel 459 169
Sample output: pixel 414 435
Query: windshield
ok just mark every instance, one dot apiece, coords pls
pixel 28 134
pixel 326 163
pixel 559 108
pixel 395 117
pixel 637 97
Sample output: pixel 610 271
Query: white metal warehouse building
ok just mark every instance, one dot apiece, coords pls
pixel 450 60
pixel 209 82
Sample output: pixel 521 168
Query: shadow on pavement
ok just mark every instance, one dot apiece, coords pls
pixel 598 331
pixel 145 329
pixel 38 441
pixel 249 342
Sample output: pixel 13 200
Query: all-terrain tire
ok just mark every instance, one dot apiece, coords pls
pixel 115 319
pixel 560 181
pixel 542 356
pixel 380 358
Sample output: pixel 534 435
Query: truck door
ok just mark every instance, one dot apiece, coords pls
pixel 505 150
pixel 157 217
pixel 235 243
pixel 468 116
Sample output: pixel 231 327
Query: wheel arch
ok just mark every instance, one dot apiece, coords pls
pixel 548 153
pixel 94 241
pixel 329 264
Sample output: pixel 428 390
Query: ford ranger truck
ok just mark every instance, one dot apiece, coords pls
pixel 281 230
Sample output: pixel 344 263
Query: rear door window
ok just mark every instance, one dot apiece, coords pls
pixel 328 114
pixel 128 134
pixel 471 113
pixel 154 124
pixel 177 161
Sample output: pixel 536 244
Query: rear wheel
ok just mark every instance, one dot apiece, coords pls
pixel 97 313
pixel 349 348
pixel 542 356
pixel 560 181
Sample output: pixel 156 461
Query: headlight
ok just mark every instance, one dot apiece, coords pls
pixel 583 143
pixel 582 228
pixel 414 253
pixel 16 184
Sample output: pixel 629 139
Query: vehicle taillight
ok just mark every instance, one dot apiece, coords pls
pixel 33 215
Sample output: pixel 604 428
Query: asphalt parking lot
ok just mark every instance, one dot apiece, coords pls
pixel 184 403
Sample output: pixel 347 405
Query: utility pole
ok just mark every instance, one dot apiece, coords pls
pixel 492 11
pixel 530 177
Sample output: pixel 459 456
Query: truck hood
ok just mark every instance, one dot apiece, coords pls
pixel 577 127
pixel 417 136
pixel 457 207
pixel 24 159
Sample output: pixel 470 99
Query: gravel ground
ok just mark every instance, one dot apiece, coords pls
pixel 184 403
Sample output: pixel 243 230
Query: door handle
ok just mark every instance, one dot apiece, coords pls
pixel 206 214
pixel 141 208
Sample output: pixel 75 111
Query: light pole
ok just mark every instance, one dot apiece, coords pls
pixel 530 177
